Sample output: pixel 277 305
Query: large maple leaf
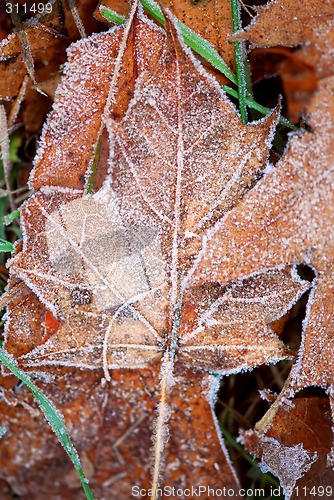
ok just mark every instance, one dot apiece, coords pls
pixel 113 267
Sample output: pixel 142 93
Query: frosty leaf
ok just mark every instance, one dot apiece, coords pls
pixel 90 67
pixel 288 463
pixel 286 19
pixel 111 278
pixel 289 218
pixel 241 314
pixel 299 78
pixel 12 67
pixel 113 267
pixel 38 50
pixel 308 26
pixel 295 22
pixel 299 457
pixel 112 432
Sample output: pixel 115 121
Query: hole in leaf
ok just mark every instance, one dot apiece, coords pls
pixel 312 392
pixel 306 272
pixel 28 150
pixel 267 92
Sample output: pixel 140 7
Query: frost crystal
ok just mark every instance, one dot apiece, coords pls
pixel 288 463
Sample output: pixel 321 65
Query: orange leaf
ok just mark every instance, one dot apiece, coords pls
pixel 114 266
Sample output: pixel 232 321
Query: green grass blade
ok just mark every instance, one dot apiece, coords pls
pixel 258 107
pixel 8 219
pixel 241 63
pixel 111 15
pixel 154 10
pixel 6 246
pixel 53 417
pixel 201 46
pixel 205 50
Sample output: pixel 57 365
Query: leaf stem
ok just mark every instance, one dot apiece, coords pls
pixel 53 417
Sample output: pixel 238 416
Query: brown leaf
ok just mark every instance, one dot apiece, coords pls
pixel 38 50
pixel 295 22
pixel 113 266
pixel 298 77
pixel 300 457
pixel 107 427
pixel 308 26
pixel 42 43
pixel 91 62
pixel 289 218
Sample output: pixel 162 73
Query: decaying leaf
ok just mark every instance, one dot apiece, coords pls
pixel 299 79
pixel 91 65
pixel 294 23
pixel 289 225
pixel 306 26
pixel 37 49
pixel 42 41
pixel 300 458
pixel 111 269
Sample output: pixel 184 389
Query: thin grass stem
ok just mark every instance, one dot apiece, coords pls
pixel 53 417
pixel 258 107
pixel 241 62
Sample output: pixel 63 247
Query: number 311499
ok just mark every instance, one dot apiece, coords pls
pixel 28 8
